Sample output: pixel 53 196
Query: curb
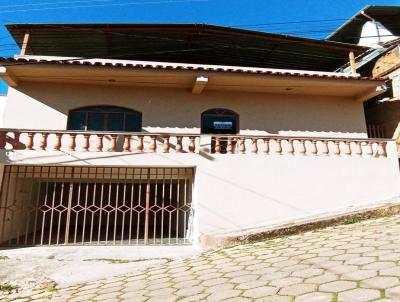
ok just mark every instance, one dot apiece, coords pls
pixel 220 240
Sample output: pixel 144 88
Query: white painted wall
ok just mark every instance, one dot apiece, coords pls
pixel 245 191
pixel 3 100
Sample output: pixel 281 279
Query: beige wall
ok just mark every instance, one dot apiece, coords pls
pixel 46 106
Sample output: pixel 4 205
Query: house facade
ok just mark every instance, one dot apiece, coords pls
pixel 100 150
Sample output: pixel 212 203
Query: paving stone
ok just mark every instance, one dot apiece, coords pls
pixel 308 273
pixel 306 256
pixel 132 296
pixel 274 276
pixel 244 278
pixel 224 294
pixel 189 291
pixel 390 257
pixel 359 295
pixel 110 295
pixel 337 286
pixel 274 298
pixel 359 275
pixel 285 263
pixel 209 276
pixel 394 271
pixel 194 298
pixel 360 260
pixel 294 268
pixel 297 289
pixel 161 299
pixel 393 292
pixel 260 292
pixel 82 298
pixel 325 278
pixel 380 282
pixel 158 286
pixel 343 269
pixel 314 297
pixel 286 281
pixel 252 284
pixel 239 299
pixel 379 265
pixel 330 263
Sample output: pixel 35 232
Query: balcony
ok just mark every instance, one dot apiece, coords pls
pixel 164 143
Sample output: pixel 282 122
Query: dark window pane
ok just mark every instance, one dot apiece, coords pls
pixel 133 122
pixel 77 121
pixel 105 118
pixel 219 124
pixel 95 121
pixel 115 122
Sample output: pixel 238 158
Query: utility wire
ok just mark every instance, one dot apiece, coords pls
pixel 53 3
pixel 101 5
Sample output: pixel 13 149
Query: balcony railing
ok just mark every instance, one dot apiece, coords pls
pixel 71 141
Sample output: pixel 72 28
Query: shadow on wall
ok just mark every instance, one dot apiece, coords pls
pixel 180 109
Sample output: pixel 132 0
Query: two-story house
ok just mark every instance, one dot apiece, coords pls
pixel 172 134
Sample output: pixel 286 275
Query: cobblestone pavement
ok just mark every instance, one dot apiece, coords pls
pixel 354 262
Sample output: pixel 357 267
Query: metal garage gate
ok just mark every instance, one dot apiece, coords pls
pixel 56 205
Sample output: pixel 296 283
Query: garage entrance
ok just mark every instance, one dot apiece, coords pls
pixel 56 205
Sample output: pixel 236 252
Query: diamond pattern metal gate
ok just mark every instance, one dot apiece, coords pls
pixel 54 205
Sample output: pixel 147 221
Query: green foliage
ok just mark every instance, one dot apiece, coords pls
pixel 7 287
pixel 354 220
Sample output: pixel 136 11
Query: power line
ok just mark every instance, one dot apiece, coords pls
pixel 53 3
pixel 102 5
pixel 289 22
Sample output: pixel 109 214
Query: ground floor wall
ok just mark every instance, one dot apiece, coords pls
pixel 235 192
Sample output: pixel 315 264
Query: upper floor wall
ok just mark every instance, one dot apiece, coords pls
pixel 46 105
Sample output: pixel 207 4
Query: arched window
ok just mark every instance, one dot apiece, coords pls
pixel 219 121
pixel 105 118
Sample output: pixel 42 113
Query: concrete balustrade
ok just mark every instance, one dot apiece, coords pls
pixel 71 141
pixel 312 146
pixel 16 139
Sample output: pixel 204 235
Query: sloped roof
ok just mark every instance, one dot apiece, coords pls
pixel 180 66
pixel 349 32
pixel 183 43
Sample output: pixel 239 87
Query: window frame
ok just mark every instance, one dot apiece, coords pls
pixel 220 112
pixel 86 110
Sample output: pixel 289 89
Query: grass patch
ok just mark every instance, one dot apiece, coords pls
pixel 354 220
pixel 51 289
pixel 111 261
pixel 8 288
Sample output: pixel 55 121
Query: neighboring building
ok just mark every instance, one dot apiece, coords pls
pixel 377 27
pixel 128 134
pixel 3 99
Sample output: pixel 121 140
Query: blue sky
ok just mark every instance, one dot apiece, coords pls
pixel 264 15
